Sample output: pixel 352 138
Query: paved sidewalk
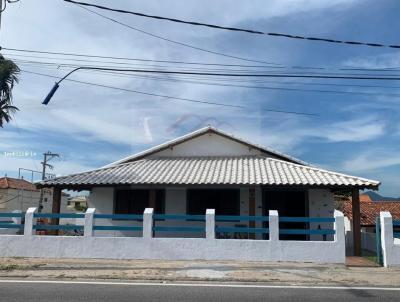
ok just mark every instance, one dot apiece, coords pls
pixel 222 271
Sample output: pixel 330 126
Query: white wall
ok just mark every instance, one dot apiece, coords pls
pixel 25 199
pixel 29 245
pixel 209 144
pixel 390 245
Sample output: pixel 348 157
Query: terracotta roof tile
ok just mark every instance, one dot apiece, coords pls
pixel 370 210
pixel 15 183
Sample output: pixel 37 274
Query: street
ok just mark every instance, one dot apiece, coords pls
pixel 65 291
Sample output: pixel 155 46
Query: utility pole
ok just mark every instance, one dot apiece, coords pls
pixel 45 164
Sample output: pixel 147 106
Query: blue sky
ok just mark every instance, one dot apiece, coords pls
pixel 91 126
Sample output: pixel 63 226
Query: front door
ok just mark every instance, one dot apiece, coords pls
pixel 290 203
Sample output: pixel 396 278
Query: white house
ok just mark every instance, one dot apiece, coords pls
pixel 211 169
pixel 19 195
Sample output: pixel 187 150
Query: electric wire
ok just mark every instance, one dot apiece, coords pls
pixel 236 29
pixel 170 97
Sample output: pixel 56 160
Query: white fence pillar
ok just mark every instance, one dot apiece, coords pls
pixel 339 237
pixel 387 239
pixel 88 227
pixel 148 223
pixel 210 224
pixel 273 225
pixel 28 227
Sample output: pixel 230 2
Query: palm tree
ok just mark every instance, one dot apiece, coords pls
pixel 8 77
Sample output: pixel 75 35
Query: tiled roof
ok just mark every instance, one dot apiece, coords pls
pixel 365 198
pixel 15 183
pixel 243 170
pixel 370 210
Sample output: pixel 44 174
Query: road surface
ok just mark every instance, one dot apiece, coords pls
pixel 32 291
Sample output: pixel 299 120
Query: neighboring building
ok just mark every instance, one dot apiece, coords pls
pixel 19 194
pixel 370 211
pixel 209 168
pixel 78 203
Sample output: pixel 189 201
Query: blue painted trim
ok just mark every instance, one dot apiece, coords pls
pixel 119 216
pixel 178 229
pixel 239 218
pixel 116 228
pixel 12 214
pixel 396 235
pixel 396 222
pixel 11 226
pixel 306 232
pixel 306 219
pixel 6 221
pixel 59 215
pixel 57 227
pixel 241 230
pixel 180 217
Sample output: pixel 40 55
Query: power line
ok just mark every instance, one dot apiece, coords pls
pixel 264 75
pixel 281 66
pixel 168 97
pixel 133 59
pixel 250 31
pixel 59 64
pixel 177 42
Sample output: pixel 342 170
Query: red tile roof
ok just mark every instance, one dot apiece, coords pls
pixel 365 198
pixel 370 210
pixel 15 183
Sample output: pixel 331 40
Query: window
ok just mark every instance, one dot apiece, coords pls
pixel 224 201
pixel 129 201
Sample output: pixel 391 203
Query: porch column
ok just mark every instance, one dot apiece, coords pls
pixel 355 202
pixel 152 198
pixel 252 209
pixel 56 207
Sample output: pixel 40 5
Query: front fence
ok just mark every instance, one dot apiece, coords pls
pixel 390 240
pixel 150 245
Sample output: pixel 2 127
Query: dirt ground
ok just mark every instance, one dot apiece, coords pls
pixel 222 271
pixel 156 270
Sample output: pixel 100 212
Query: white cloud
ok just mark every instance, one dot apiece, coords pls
pixel 372 160
pixel 387 60
pixel 357 130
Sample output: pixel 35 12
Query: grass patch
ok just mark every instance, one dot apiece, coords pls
pixel 9 267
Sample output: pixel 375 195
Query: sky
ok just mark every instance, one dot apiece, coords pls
pixel 90 126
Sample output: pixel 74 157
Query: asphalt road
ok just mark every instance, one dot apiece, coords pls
pixel 66 292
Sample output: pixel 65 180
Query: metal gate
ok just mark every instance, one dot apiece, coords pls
pixel 379 258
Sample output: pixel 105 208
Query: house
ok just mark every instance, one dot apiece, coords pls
pixel 19 195
pixel 211 169
pixel 78 203
pixel 369 212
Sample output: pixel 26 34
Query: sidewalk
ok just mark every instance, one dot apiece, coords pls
pixel 222 271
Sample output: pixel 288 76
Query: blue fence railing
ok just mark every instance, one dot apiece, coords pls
pixel 9 224
pixel 125 217
pixel 241 229
pixel 287 231
pixel 396 229
pixel 189 229
pixel 59 215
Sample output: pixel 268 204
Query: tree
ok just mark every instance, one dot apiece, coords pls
pixel 8 77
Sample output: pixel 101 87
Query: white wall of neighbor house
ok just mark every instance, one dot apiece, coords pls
pixel 18 199
pixel 102 198
pixel 209 144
